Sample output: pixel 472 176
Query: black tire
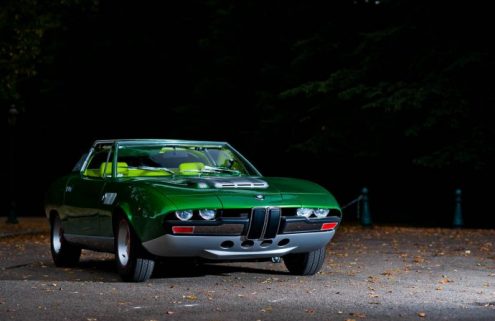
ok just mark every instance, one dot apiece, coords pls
pixel 305 263
pixel 133 264
pixel 63 253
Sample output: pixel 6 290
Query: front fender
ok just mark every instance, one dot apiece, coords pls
pixel 145 209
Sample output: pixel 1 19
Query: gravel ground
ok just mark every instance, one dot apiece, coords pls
pixel 383 273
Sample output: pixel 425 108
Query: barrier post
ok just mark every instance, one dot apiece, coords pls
pixel 458 221
pixel 366 215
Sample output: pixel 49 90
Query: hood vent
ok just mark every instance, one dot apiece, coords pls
pixel 240 183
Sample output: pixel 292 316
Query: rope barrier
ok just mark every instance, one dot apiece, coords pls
pixel 360 197
pixel 361 200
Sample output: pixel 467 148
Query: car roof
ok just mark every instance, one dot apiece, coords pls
pixel 157 141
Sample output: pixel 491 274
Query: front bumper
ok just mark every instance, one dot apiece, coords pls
pixel 236 247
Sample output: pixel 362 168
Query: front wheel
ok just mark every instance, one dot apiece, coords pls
pixel 63 253
pixel 131 262
pixel 305 263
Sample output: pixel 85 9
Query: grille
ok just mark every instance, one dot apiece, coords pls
pixel 264 223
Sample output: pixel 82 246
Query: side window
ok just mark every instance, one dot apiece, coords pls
pixel 98 166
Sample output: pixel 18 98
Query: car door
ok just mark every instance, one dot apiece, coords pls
pixel 84 192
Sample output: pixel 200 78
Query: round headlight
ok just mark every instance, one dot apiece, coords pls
pixel 184 215
pixel 207 214
pixel 305 212
pixel 321 212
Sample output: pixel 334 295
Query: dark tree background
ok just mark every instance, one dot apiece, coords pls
pixel 393 95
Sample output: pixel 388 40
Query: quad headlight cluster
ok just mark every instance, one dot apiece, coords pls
pixel 186 215
pixel 312 212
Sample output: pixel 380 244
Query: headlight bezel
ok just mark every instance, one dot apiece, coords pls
pixel 304 212
pixel 321 212
pixel 203 214
pixel 188 217
pixel 312 213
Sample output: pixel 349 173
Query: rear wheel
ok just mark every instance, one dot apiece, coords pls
pixel 132 263
pixel 63 253
pixel 305 263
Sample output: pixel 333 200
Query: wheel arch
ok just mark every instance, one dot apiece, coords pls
pixel 122 211
pixel 118 212
pixel 52 214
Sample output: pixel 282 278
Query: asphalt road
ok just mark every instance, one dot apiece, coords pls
pixel 385 273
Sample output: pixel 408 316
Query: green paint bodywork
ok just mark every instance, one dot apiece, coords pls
pixel 79 198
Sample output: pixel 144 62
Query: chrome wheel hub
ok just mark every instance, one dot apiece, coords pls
pixel 123 243
pixel 57 235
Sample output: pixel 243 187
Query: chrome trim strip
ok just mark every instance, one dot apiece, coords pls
pixel 86 161
pixel 267 216
pixel 241 254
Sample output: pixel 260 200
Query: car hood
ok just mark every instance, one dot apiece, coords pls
pixel 240 192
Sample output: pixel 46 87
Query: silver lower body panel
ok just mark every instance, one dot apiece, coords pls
pixel 230 247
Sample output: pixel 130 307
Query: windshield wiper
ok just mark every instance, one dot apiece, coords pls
pixel 150 168
pixel 216 169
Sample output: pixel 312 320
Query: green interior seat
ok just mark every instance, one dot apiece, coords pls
pixel 91 172
pixel 141 172
pixel 122 169
pixel 190 168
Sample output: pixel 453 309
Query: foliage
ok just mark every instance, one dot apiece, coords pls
pixel 23 28
pixel 350 80
pixel 413 85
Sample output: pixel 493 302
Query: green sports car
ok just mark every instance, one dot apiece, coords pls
pixel 149 199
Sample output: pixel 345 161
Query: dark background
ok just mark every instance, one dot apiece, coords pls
pixel 393 95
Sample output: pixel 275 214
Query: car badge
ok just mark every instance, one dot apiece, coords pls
pixel 260 197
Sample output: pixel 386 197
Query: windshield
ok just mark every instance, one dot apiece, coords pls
pixel 180 160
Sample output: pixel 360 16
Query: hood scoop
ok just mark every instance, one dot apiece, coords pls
pixel 219 182
pixel 241 183
pixel 231 182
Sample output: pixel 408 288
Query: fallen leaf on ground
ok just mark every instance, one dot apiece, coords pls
pixel 418 259
pixel 267 309
pixel 373 279
pixel 357 314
